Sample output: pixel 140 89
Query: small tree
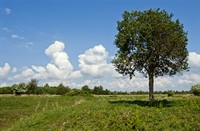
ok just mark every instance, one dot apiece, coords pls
pixel 61 89
pixel 31 86
pixel 86 88
pixel 196 90
pixel 170 93
pixel 19 89
pixel 151 43
pixel 98 90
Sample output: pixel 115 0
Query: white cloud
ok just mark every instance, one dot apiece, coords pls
pixel 60 66
pixel 40 72
pixel 14 36
pixel 57 46
pixel 194 59
pixel 27 73
pixel 7 11
pixel 94 62
pixel 75 75
pixel 95 69
pixel 4 70
pixel 14 69
pixel 95 55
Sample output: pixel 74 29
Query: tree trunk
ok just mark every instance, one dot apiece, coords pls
pixel 151 83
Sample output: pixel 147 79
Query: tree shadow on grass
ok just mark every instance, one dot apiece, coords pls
pixel 157 103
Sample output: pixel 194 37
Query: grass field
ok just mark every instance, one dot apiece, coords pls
pixel 181 112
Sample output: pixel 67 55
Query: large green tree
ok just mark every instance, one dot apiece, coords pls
pixel 152 43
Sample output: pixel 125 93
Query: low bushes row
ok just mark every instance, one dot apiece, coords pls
pixel 22 88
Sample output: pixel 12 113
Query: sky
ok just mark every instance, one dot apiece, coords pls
pixel 72 42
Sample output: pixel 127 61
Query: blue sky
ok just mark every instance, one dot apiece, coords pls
pixel 28 28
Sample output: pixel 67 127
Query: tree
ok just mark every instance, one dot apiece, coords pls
pixel 86 88
pixel 32 84
pixel 151 43
pixel 61 89
pixel 19 89
pixel 195 89
pixel 98 90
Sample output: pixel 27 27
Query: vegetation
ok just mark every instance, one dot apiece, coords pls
pixel 19 89
pixel 130 112
pixel 196 90
pixel 151 43
pixel 170 93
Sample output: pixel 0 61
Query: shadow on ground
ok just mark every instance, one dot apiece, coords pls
pixel 158 103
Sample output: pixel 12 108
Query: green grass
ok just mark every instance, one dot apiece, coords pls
pixel 99 113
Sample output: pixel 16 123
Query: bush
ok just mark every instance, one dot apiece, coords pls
pixel 39 90
pixel 62 90
pixel 50 90
pixel 6 90
pixel 196 90
pixel 170 93
pixel 19 89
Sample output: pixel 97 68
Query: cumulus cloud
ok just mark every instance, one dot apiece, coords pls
pixel 24 76
pixel 57 46
pixel 95 69
pixel 60 66
pixel 94 62
pixel 194 59
pixel 75 75
pixel 4 70
pixel 7 11
pixel 40 72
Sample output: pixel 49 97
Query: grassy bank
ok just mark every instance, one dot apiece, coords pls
pixel 181 112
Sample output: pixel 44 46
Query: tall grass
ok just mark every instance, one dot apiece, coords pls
pixel 100 113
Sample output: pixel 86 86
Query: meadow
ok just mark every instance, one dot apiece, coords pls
pixel 99 112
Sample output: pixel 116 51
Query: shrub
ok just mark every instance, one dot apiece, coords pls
pixel 19 89
pixel 50 90
pixel 86 88
pixel 196 90
pixel 170 93
pixel 39 90
pixel 62 90
pixel 6 90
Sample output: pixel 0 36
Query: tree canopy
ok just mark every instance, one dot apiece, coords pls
pixel 152 43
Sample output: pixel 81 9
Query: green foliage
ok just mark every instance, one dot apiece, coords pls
pixel 152 43
pixel 86 88
pixel 46 85
pixel 39 90
pixel 50 90
pixel 196 90
pixel 170 93
pixel 19 89
pixel 6 90
pixel 61 89
pixel 98 90
pixel 31 86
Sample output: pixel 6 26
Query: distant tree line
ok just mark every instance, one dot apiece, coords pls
pixel 32 88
